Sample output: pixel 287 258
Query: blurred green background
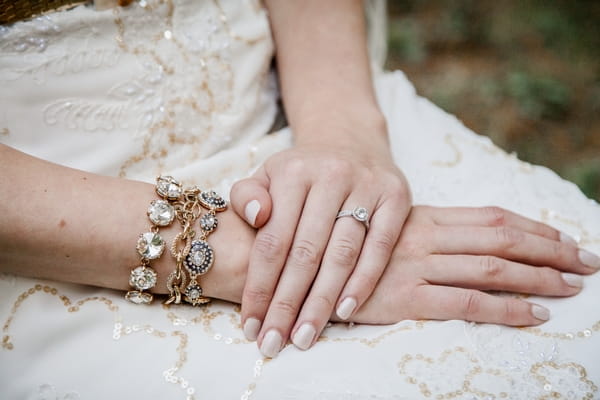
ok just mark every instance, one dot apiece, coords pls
pixel 524 72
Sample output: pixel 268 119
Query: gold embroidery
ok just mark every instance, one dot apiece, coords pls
pixel 457 154
pixel 4 131
pixel 376 340
pixel 573 368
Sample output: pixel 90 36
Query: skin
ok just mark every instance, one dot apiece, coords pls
pixel 440 267
pixel 340 160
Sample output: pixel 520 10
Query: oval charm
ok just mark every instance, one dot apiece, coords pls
pixel 200 258
pixel 212 201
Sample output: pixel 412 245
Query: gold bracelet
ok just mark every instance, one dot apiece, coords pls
pixel 150 246
pixel 195 257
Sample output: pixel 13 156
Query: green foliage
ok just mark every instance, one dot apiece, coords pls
pixel 538 96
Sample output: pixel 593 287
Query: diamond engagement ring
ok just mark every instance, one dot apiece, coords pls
pixel 359 213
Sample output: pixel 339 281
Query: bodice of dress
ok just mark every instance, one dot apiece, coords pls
pixel 157 86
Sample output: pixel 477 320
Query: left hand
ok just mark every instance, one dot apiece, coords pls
pixel 304 259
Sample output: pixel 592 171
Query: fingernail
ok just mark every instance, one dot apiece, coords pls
pixel 251 211
pixel 304 336
pixel 346 308
pixel 251 328
pixel 572 280
pixel 271 344
pixel 589 259
pixel 568 239
pixel 540 312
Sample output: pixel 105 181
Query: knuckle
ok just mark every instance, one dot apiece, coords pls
pixel 508 237
pixel 287 307
pixel 492 266
pixel 257 296
pixel 295 167
pixel 511 312
pixel 496 215
pixel 304 253
pixel 338 168
pixel 324 302
pixel 270 246
pixel 470 305
pixel 384 242
pixel 344 252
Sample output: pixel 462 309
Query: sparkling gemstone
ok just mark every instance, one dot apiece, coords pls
pixel 168 187
pixel 161 213
pixel 200 258
pixel 139 297
pixel 150 245
pixel 208 222
pixel 211 200
pixel 360 213
pixel 142 278
pixel 193 292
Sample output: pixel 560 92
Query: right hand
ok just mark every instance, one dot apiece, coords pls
pixel 447 257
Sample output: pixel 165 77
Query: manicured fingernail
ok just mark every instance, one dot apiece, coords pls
pixel 540 312
pixel 568 239
pixel 251 211
pixel 589 259
pixel 346 308
pixel 271 344
pixel 251 328
pixel 573 280
pixel 304 336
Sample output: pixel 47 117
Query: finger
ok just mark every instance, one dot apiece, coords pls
pixel 444 303
pixel 268 254
pixel 301 266
pixel 514 244
pixel 338 263
pixel 496 216
pixel 386 225
pixel 494 273
pixel 251 200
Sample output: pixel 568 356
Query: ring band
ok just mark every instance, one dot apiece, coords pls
pixel 359 213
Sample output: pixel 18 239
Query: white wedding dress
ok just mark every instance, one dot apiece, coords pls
pixel 185 88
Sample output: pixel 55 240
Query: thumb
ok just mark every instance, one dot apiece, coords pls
pixel 251 200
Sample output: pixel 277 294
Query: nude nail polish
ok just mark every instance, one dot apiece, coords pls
pixel 304 336
pixel 271 344
pixel 346 308
pixel 251 211
pixel 567 239
pixel 572 280
pixel 589 259
pixel 540 312
pixel 251 328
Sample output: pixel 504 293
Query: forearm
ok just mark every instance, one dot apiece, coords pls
pixel 73 226
pixel 323 64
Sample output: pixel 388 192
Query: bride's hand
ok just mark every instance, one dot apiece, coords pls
pixel 447 257
pixel 304 260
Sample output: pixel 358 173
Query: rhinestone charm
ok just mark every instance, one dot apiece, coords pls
pixel 139 297
pixel 212 201
pixel 208 222
pixel 200 258
pixel 161 213
pixel 168 188
pixel 143 278
pixel 193 295
pixel 150 245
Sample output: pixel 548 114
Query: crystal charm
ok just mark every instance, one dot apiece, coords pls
pixel 142 278
pixel 150 245
pixel 360 213
pixel 211 200
pixel 168 187
pixel 200 258
pixel 208 222
pixel 193 294
pixel 139 297
pixel 161 213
